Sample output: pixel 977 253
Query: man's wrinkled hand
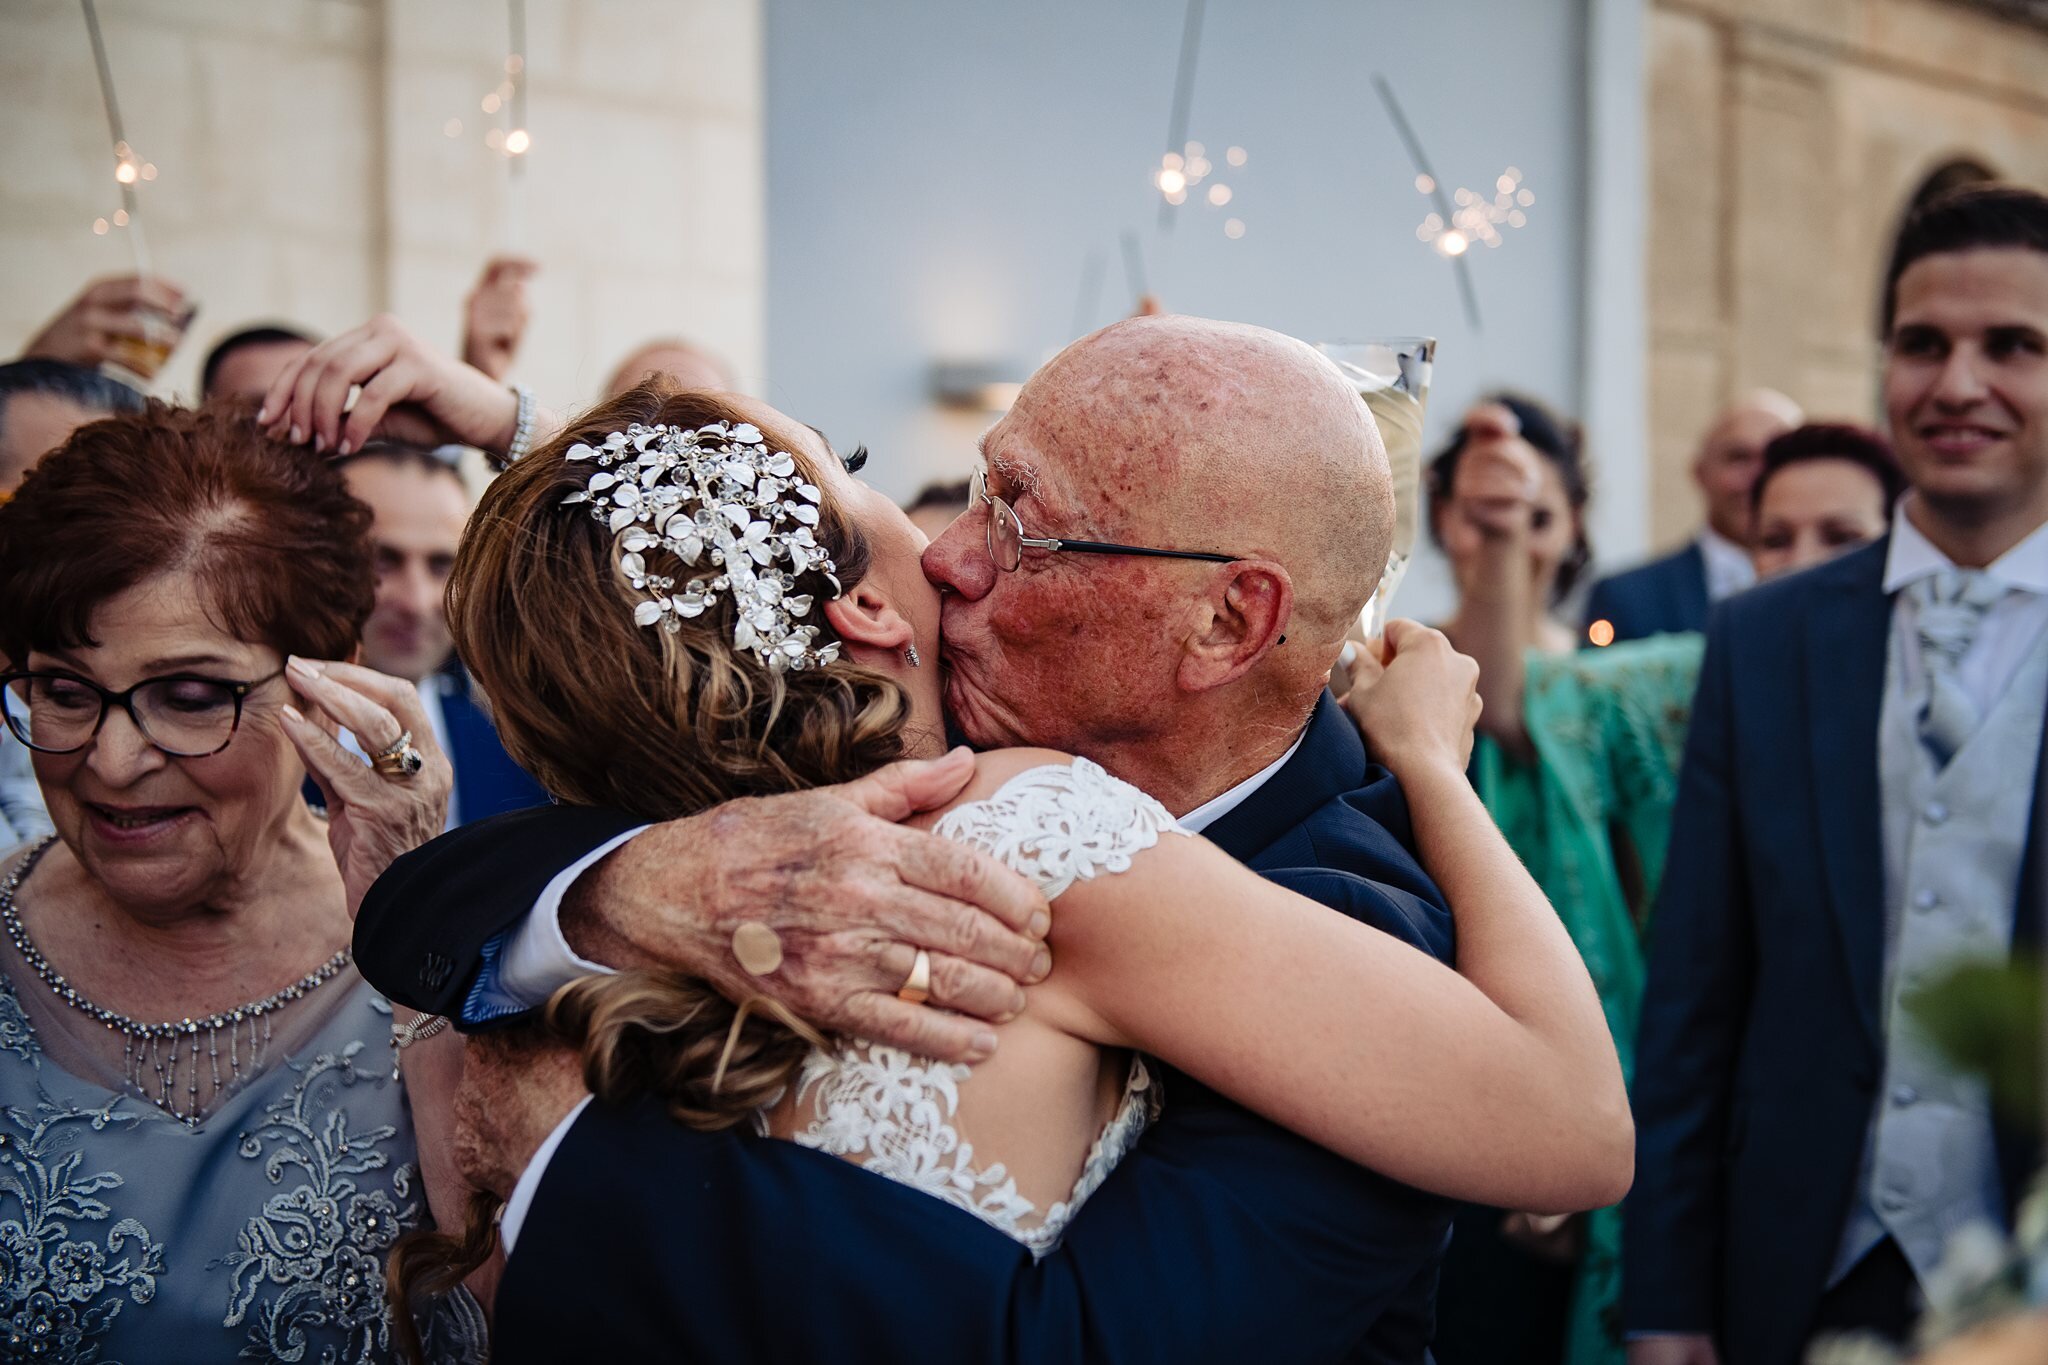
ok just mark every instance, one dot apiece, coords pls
pixel 850 896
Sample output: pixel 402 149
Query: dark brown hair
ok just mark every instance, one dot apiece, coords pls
pixel 1833 441
pixel 267 528
pixel 1963 220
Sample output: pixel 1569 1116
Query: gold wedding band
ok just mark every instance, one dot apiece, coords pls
pixel 917 987
pixel 758 949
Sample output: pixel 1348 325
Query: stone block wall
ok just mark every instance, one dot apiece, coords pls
pixel 1786 139
pixel 307 174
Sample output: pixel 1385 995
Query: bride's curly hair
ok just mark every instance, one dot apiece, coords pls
pixel 658 724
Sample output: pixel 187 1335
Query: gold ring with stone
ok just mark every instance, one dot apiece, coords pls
pixel 399 758
pixel 917 987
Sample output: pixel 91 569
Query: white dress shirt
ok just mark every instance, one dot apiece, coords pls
pixel 2009 628
pixel 539 953
pixel 1729 568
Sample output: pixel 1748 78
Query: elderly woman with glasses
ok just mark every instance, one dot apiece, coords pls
pixel 204 1149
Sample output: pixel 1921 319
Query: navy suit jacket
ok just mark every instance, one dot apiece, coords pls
pixel 1221 1237
pixel 1662 597
pixel 1761 1040
pixel 487 781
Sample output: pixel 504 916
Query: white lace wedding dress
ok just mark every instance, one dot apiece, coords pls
pixel 897 1114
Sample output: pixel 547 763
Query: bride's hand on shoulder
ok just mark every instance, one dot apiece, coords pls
pixel 1419 706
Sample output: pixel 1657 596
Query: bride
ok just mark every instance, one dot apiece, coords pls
pixel 685 598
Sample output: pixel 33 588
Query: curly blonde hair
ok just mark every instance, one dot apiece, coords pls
pixel 657 724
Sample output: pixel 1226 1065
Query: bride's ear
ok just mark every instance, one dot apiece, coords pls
pixel 865 618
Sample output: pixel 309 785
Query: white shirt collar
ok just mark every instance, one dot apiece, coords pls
pixel 1729 567
pixel 1912 556
pixel 1209 812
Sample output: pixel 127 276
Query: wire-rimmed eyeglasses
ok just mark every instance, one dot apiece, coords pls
pixel 1007 541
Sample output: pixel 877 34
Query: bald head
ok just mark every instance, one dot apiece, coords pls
pixel 1731 454
pixel 691 366
pixel 1194 434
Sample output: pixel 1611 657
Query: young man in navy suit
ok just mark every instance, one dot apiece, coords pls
pixel 418 505
pixel 1854 819
pixel 1674 593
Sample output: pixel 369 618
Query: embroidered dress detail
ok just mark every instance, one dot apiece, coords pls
pixel 1061 824
pixel 895 1113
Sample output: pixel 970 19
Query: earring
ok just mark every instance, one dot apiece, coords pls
pixel 910 656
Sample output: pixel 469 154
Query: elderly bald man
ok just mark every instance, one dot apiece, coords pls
pixel 1202 509
pixel 1672 594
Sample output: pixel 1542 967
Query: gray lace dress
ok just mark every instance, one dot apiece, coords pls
pixel 260 1234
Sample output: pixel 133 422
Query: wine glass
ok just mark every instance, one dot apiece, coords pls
pixel 1392 375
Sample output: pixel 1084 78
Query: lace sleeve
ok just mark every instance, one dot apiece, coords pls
pixel 1061 823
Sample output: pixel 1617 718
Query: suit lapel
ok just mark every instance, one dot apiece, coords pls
pixel 1330 761
pixel 1847 626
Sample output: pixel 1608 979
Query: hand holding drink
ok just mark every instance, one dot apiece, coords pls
pixel 127 325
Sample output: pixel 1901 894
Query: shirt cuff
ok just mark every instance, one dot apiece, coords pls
pixel 522 966
pixel 514 1216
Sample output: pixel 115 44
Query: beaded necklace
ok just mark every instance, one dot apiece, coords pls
pixel 161 1049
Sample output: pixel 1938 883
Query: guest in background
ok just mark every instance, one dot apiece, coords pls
pixel 1577 761
pixel 106 317
pixel 1854 815
pixel 157 575
pixel 242 364
pixel 1825 488
pixel 1673 593
pixel 418 506
pixel 691 366
pixel 937 506
pixel 41 403
pixel 1507 500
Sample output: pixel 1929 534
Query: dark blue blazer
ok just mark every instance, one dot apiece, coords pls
pixel 487 781
pixel 1662 597
pixel 1761 1041
pixel 1220 1238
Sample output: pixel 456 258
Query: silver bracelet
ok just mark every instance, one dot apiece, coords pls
pixel 415 1030
pixel 522 428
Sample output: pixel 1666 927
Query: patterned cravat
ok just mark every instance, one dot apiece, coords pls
pixel 1951 606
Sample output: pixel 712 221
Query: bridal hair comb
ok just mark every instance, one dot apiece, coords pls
pixel 716 497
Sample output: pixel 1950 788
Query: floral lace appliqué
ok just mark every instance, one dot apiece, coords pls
pixel 893 1112
pixel 62 1280
pixel 317 1249
pixel 1060 824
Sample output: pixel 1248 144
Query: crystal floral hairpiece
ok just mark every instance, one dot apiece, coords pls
pixel 718 496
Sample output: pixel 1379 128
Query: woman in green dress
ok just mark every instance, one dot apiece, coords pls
pixel 1578 761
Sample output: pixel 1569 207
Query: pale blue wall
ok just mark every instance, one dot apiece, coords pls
pixel 939 173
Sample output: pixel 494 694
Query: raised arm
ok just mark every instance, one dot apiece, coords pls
pixel 1494 496
pixel 1496 1083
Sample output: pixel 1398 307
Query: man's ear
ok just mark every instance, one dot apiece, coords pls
pixel 1242 619
pixel 865 619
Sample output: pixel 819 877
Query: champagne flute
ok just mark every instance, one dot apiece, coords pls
pixel 1392 375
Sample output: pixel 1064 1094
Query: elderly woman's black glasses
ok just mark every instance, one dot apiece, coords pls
pixel 1007 541
pixel 183 714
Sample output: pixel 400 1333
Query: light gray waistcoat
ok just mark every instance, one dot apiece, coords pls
pixel 1954 843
